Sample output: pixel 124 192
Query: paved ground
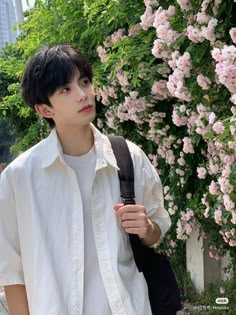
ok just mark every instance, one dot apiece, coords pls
pixel 3 304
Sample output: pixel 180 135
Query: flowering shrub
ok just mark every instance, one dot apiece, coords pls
pixel 168 83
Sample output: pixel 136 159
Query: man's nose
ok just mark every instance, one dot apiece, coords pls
pixel 81 94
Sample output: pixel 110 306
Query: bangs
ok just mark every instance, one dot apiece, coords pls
pixel 59 74
pixel 62 70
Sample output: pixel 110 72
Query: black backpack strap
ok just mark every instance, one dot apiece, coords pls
pixel 125 164
pixel 126 177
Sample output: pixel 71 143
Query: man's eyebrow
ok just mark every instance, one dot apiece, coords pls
pixel 63 85
pixel 83 75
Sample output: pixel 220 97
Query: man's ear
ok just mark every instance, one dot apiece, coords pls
pixel 44 110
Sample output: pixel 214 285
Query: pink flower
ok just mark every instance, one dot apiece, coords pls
pixel 216 7
pixel 172 243
pixel 110 119
pixel 212 117
pixel 213 189
pixel 216 54
pixel 232 33
pixel 194 34
pixel 107 43
pixel 233 110
pixel 226 68
pixel 218 217
pixel 229 160
pixel 152 3
pixel 100 123
pixel 176 86
pixel 222 290
pixel 203 82
pixel 189 196
pixel 188 147
pixel 178 120
pixel 233 99
pixel 228 54
pixel 133 95
pixel 160 91
pixel 206 212
pixel 203 18
pixel 171 10
pixel 201 172
pixel 208 33
pixel 118 35
pixel 161 50
pixel 233 220
pixel 134 30
pixel 184 63
pixel 228 203
pixel 188 228
pixel 147 18
pixel 163 27
pixel 102 54
pixel 181 161
pixel 161 17
pixel 185 4
pixel 213 168
pixel 225 185
pixel 206 97
pixel 218 127
pixel 122 78
pixel 165 32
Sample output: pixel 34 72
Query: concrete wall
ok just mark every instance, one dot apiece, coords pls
pixel 203 269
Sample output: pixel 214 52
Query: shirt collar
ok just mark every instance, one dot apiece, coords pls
pixel 103 149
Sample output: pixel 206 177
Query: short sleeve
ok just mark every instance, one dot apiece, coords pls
pixel 10 258
pixel 153 196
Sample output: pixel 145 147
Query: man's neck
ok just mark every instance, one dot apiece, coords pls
pixel 76 141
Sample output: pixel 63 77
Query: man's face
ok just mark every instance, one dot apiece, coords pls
pixel 72 104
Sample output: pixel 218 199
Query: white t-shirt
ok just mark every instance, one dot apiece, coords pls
pixel 95 298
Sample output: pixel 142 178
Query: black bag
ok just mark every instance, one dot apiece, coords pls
pixel 163 291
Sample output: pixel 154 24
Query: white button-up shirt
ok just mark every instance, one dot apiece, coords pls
pixel 42 231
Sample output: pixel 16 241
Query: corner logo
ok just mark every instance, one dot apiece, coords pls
pixel 222 300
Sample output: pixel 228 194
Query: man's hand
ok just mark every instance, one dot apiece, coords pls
pixel 135 221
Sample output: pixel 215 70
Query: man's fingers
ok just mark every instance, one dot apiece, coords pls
pixel 121 209
pixel 118 206
pixel 133 216
pixel 133 224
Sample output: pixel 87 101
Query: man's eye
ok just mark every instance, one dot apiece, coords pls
pixel 85 81
pixel 65 90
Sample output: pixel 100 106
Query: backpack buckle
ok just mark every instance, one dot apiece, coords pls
pixel 128 200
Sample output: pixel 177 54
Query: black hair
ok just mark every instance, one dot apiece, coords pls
pixel 49 69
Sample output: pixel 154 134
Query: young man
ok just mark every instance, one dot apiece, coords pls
pixel 64 246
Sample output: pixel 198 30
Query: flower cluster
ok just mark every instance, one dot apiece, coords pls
pixel 174 79
pixel 226 66
pixel 185 224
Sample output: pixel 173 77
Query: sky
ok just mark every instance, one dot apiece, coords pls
pixel 24 4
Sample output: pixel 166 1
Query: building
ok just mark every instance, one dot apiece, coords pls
pixel 19 10
pixel 8 17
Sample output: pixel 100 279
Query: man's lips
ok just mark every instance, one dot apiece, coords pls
pixel 86 108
